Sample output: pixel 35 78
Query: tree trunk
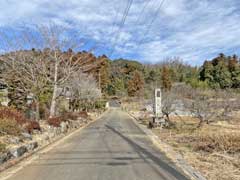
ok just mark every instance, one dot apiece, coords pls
pixel 168 119
pixel 200 123
pixel 54 96
pixel 53 102
pixel 171 124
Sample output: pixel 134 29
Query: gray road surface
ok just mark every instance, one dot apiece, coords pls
pixel 112 148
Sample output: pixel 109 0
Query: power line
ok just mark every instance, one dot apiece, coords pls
pixel 115 19
pixel 125 14
pixel 151 23
pixel 140 15
pixel 112 32
pixel 122 23
pixel 142 12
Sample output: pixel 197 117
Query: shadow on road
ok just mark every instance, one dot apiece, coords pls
pixel 144 156
pixel 142 151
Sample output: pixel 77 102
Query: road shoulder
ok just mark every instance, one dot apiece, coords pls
pixel 170 153
pixel 22 162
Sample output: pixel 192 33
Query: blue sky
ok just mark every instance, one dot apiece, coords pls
pixel 193 30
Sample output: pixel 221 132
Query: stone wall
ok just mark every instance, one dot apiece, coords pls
pixel 29 143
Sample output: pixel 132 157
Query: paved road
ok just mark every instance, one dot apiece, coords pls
pixel 112 148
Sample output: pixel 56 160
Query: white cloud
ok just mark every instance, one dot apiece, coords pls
pixel 193 30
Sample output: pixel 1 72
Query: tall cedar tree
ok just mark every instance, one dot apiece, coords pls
pixel 135 84
pixel 222 72
pixel 166 79
pixel 104 74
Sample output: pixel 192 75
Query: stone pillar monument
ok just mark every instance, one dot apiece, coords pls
pixel 157 103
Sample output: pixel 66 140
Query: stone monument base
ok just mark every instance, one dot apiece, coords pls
pixel 157 122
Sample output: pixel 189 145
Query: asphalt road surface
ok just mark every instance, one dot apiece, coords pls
pixel 112 148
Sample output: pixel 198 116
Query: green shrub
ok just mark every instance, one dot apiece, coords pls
pixel 101 104
pixel 2 147
pixel 195 83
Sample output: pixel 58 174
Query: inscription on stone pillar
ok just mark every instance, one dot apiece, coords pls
pixel 158 103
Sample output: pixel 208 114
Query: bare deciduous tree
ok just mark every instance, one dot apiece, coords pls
pixel 51 67
pixel 83 88
pixel 227 103
pixel 25 72
pixel 210 105
pixel 202 106
pixel 62 66
pixel 168 105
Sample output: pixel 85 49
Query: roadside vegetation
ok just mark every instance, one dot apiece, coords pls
pixel 202 125
pixel 212 149
pixel 46 85
pixel 202 109
pixel 45 77
pixel 2 147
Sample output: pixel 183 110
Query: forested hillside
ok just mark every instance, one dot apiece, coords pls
pixel 128 77
pixel 85 82
pixel 221 72
pixel 122 77
pixel 131 77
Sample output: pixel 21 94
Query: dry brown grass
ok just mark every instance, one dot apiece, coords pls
pixel 214 149
pixel 9 127
pixel 220 141
pixel 214 166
